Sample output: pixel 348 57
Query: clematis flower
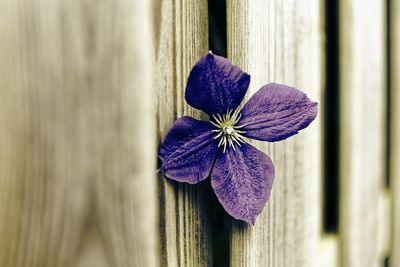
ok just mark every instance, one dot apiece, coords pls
pixel 241 175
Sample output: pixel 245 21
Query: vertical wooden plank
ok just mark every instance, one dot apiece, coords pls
pixel 77 152
pixel 395 129
pixel 281 41
pixel 362 136
pixel 182 39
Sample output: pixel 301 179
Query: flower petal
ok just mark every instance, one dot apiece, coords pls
pixel 277 112
pixel 188 151
pixel 215 85
pixel 242 180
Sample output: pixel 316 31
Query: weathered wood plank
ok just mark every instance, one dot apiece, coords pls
pixel 362 160
pixel 395 129
pixel 77 166
pixel 282 41
pixel 182 39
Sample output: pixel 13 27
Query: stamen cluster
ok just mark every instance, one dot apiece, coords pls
pixel 227 130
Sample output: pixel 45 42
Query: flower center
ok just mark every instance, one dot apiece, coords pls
pixel 227 130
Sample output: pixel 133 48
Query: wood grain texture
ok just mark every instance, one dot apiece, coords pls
pixel 281 41
pixel 182 38
pixel 395 130
pixel 77 165
pixel 362 97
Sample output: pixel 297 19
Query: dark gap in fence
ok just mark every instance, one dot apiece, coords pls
pixel 386 262
pixel 389 91
pixel 162 221
pixel 220 220
pixel 220 229
pixel 331 118
pixel 217 26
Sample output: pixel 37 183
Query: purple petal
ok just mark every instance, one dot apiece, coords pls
pixel 277 112
pixel 215 85
pixel 188 151
pixel 242 180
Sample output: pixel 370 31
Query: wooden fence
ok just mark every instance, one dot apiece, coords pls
pixel 88 89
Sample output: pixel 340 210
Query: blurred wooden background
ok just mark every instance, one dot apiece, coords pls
pixel 88 89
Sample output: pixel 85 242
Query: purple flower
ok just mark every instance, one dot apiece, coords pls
pixel 241 175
